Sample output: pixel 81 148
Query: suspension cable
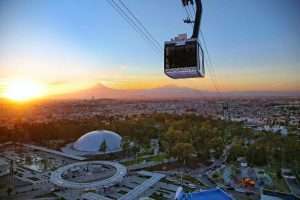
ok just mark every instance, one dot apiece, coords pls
pixel 193 13
pixel 134 25
pixel 193 8
pixel 189 16
pixel 141 25
pixel 212 73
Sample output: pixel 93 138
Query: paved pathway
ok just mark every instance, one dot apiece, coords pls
pixel 294 186
pixel 140 189
pixel 55 152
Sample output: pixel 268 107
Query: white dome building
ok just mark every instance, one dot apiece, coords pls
pixel 92 142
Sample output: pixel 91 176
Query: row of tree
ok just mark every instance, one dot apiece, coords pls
pixel 265 148
pixel 185 137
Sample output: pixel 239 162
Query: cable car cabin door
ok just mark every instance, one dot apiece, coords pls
pixel 183 59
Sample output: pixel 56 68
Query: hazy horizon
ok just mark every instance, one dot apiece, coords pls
pixel 100 91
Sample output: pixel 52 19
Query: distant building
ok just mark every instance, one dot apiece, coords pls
pixel 277 129
pixel 243 162
pixel 155 146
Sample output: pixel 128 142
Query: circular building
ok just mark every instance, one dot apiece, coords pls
pixel 95 143
pixel 89 175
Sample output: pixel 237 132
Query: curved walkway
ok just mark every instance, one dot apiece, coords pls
pixel 56 176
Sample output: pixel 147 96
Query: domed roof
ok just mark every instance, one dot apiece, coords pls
pixel 92 141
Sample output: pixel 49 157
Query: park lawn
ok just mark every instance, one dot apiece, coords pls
pixel 278 183
pixel 217 177
pixel 193 180
pixel 156 158
pixel 2 186
pixel 158 196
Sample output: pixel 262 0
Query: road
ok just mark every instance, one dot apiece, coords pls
pixel 29 192
pixel 293 185
pixel 203 173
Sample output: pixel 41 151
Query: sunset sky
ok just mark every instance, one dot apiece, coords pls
pixel 68 45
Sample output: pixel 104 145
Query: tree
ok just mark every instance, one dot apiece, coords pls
pixel 257 155
pixel 9 191
pixel 103 146
pixel 125 146
pixel 236 151
pixel 182 151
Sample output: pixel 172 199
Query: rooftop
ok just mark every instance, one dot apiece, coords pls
pixel 207 194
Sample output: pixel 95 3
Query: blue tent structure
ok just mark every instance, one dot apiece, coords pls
pixel 212 194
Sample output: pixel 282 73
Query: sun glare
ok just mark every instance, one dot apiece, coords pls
pixel 23 90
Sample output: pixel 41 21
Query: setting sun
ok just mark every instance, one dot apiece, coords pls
pixel 23 90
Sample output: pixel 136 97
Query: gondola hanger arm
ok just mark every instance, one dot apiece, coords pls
pixel 198 16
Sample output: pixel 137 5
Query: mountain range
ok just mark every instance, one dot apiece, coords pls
pixel 166 92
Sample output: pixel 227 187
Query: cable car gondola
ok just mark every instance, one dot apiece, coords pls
pixel 184 57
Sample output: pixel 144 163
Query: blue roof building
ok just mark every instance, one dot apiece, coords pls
pixel 212 194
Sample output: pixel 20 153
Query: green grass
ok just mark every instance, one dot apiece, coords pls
pixel 193 180
pixel 278 183
pixel 157 158
pixel 157 196
pixel 122 192
pixel 170 182
pixel 217 177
